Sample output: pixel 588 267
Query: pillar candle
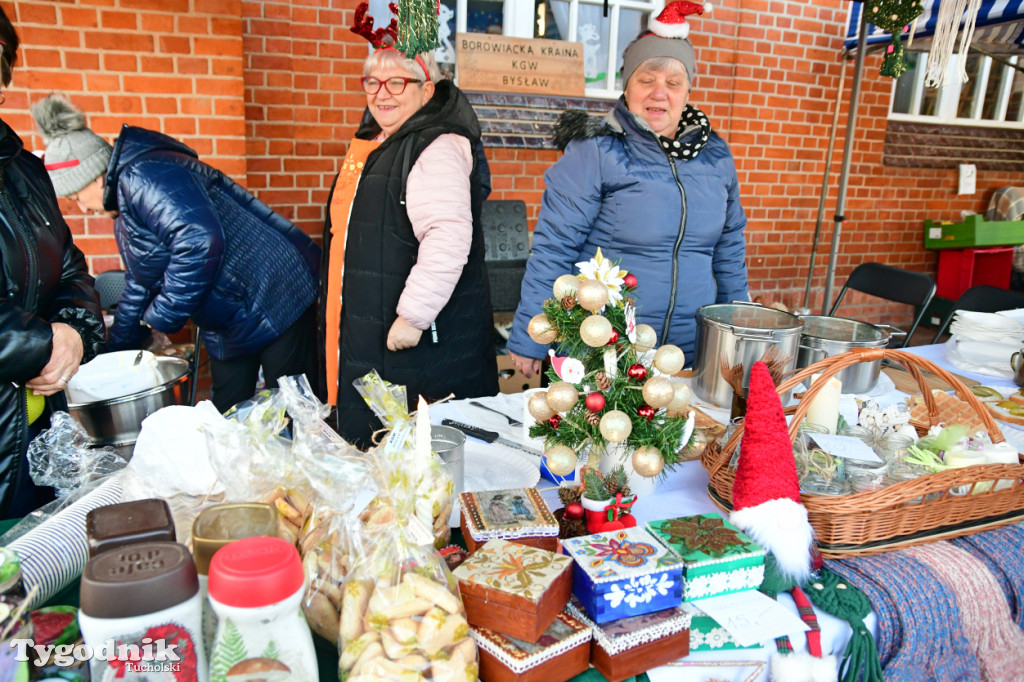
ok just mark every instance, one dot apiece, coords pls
pixel 824 408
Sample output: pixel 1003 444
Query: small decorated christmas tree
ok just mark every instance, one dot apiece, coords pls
pixel 602 358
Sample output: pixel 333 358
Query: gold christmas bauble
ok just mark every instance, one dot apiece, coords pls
pixel 561 460
pixel 669 359
pixel 562 396
pixel 565 286
pixel 658 392
pixel 541 330
pixel 538 406
pixel 646 338
pixel 595 331
pixel 680 397
pixel 615 426
pixel 647 461
pixel 592 295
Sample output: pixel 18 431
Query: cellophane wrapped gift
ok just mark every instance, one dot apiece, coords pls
pixel 405 467
pixel 401 616
pixel 252 454
pixel 340 479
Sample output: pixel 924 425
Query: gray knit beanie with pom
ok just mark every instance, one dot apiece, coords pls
pixel 75 155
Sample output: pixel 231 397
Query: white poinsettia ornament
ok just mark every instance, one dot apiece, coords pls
pixel 603 270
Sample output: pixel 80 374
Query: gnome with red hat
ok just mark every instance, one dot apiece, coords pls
pixel 767 507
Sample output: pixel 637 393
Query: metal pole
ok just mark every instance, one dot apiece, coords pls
pixel 844 173
pixel 824 180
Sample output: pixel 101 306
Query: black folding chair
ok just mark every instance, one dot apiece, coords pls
pixel 109 286
pixel 982 299
pixel 892 284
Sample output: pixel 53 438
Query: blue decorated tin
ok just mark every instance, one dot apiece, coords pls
pixel 623 573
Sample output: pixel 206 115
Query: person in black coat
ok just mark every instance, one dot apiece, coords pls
pixel 196 245
pixel 50 318
pixel 404 287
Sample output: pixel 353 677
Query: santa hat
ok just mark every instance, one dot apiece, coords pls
pixel 766 492
pixel 667 37
pixel 671 23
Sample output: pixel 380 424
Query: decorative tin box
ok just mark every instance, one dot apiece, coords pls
pixel 717 558
pixel 621 573
pixel 519 514
pixel 562 652
pixel 707 635
pixel 629 646
pixel 514 589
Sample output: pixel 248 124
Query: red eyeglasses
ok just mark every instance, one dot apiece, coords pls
pixel 396 86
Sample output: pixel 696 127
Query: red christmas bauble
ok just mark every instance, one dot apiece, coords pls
pixel 573 510
pixel 645 411
pixel 629 281
pixel 555 421
pixel 637 372
pixel 613 339
pixel 595 401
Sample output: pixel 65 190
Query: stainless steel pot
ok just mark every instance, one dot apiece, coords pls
pixel 824 336
pixel 740 333
pixel 117 421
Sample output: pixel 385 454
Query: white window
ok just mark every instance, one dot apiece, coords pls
pixel 581 21
pixel 993 96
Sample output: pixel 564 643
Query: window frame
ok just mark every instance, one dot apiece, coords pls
pixel 948 97
pixel 523 17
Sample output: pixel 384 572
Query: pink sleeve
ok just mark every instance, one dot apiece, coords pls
pixel 437 200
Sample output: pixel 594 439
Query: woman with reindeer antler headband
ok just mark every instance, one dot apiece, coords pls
pixel 652 186
pixel 403 287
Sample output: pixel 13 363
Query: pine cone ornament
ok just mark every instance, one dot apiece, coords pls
pixel 570 494
pixel 603 382
pixel 615 482
pixel 569 302
pixel 592 418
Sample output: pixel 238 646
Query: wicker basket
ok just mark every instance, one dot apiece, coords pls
pixel 901 514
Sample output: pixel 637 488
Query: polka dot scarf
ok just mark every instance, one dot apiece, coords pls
pixel 692 116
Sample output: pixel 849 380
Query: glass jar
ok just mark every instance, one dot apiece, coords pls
pixel 895 448
pixel 803 444
pixel 814 484
pixel 866 476
pixel 734 423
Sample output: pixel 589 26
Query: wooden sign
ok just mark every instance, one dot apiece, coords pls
pixel 504 64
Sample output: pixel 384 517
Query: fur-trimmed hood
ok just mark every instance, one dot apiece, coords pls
pixel 576 124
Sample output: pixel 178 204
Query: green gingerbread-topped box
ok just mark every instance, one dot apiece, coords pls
pixel 717 557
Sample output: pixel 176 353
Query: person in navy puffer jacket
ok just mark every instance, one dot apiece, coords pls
pixel 197 246
pixel 654 188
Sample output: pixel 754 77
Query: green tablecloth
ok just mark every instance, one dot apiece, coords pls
pixel 326 653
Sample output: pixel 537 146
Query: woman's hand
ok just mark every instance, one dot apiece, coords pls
pixel 528 366
pixel 403 335
pixel 65 358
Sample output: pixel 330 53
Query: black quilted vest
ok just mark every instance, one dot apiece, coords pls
pixel 456 356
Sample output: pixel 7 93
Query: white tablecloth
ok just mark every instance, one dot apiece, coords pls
pixel 937 354
pixel 683 493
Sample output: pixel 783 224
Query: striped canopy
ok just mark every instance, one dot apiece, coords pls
pixel 999 28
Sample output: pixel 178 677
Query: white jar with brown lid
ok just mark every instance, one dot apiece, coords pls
pixel 140 613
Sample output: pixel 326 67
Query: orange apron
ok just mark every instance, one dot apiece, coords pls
pixel 341 210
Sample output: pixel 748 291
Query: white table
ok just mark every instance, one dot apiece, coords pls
pixel 683 493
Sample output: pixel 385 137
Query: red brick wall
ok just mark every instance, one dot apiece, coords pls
pixel 267 90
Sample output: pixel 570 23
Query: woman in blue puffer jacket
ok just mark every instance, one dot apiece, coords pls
pixel 197 246
pixel 651 186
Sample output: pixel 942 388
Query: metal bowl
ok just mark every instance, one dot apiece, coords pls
pixel 117 421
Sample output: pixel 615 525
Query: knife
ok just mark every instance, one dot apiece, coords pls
pixel 489 436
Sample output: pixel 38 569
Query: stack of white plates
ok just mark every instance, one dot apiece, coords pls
pixel 984 342
pixel 997 327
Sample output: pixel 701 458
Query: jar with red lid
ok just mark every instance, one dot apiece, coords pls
pixel 256 586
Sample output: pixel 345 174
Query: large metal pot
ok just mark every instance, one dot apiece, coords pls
pixel 739 333
pixel 825 336
pixel 117 421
